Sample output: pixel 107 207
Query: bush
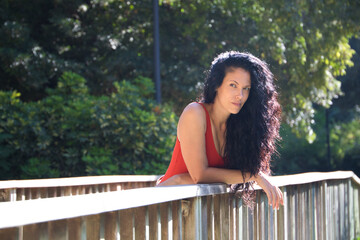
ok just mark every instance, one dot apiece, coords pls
pixel 73 133
pixel 298 155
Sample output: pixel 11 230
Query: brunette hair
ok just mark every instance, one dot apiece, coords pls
pixel 251 134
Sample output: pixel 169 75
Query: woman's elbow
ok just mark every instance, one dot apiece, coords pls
pixel 198 178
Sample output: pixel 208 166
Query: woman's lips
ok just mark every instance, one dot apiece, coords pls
pixel 237 104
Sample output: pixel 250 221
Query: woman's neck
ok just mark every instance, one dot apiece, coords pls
pixel 218 115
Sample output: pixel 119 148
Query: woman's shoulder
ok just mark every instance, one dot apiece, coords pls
pixel 192 120
pixel 193 113
pixel 194 109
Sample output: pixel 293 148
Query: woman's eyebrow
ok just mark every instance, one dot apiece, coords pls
pixel 234 81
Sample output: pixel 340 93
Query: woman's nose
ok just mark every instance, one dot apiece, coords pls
pixel 239 95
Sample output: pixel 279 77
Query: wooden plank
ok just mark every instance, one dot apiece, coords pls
pixel 188 219
pixel 203 217
pixel 246 230
pixel 342 202
pixel 239 217
pixel 92 227
pixel 210 218
pixel 311 212
pixel 35 231
pixel 139 223
pixel 336 221
pixel 19 194
pixel 301 212
pixel 9 233
pixel 4 195
pixel 280 220
pixel 217 218
pixel 153 224
pixel 224 215
pixel 176 216
pixel 126 224
pixel 58 230
pixel 251 222
pixel 271 226
pixel 110 225
pixel 232 217
pixel 356 210
pixel 168 230
pixel 256 229
pixel 163 207
pixel 292 212
pixel 74 228
pixel 324 206
pixel 263 217
pixel 319 212
pixel 78 181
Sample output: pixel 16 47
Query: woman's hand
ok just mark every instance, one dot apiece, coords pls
pixel 273 193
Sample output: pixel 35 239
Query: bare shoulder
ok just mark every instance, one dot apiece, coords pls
pixel 193 118
pixel 194 111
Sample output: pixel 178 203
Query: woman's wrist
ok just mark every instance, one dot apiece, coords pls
pixel 259 177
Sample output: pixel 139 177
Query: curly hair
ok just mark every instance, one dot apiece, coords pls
pixel 251 134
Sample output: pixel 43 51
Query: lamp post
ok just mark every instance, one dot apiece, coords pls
pixel 157 51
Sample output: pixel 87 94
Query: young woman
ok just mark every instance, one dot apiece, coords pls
pixel 230 135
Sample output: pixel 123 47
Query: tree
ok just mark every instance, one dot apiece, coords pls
pixel 305 43
pixel 104 41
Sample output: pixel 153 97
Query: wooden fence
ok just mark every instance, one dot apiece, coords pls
pixel 316 206
pixel 19 190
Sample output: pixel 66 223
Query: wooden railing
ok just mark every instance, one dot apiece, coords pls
pixel 18 190
pixel 316 206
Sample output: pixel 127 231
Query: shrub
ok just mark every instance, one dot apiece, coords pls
pixel 73 133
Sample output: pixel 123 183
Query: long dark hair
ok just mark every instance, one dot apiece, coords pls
pixel 251 134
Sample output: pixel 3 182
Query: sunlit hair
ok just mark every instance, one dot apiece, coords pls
pixel 251 134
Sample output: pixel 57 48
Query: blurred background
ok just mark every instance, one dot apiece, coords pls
pixel 77 92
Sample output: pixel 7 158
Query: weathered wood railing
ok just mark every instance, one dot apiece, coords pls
pixel 17 190
pixel 316 206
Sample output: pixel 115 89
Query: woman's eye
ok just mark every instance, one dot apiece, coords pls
pixel 247 89
pixel 233 85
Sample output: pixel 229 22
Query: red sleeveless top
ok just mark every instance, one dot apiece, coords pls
pixel 177 164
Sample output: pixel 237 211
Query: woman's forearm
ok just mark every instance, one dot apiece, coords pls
pixel 222 175
pixel 180 179
pixel 210 175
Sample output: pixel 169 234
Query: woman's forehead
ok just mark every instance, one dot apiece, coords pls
pixel 238 74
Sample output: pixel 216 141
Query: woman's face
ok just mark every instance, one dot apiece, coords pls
pixel 234 90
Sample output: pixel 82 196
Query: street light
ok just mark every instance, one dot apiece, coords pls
pixel 157 51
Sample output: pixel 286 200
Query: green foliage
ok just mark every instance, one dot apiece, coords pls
pixel 305 43
pixel 73 133
pixel 99 126
pixel 345 142
pixel 298 155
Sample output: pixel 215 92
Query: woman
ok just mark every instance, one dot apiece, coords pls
pixel 230 135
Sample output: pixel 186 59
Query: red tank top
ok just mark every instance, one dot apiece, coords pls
pixel 177 164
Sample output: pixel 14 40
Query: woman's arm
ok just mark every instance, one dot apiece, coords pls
pixel 179 179
pixel 191 134
pixel 275 196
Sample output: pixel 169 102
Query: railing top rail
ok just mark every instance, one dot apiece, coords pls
pixel 284 180
pixel 309 177
pixel 76 181
pixel 41 210
pixel 20 213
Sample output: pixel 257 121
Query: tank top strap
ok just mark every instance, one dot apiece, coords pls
pixel 208 124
